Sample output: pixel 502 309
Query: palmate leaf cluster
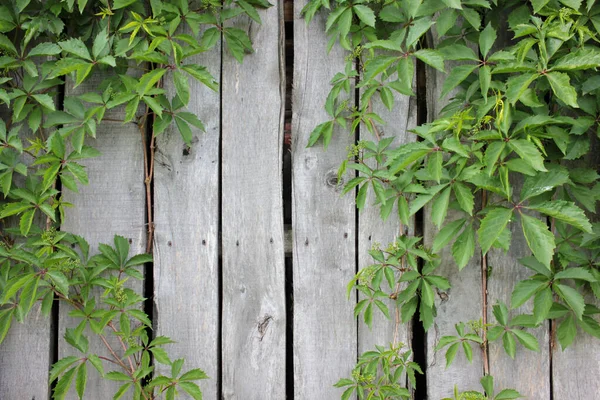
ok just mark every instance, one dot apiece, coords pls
pixel 511 150
pixel 50 51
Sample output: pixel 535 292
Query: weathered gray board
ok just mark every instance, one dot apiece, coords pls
pixel 529 372
pixel 576 370
pixel 186 236
pixel 26 350
pixel 463 302
pixel 371 229
pixel 254 319
pixel 325 333
pixel 112 204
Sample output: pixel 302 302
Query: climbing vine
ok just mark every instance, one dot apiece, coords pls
pixel 47 50
pixel 514 144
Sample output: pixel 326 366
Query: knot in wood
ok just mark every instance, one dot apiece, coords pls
pixel 331 179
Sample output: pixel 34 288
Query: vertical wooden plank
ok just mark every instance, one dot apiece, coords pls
pixel 325 333
pixel 112 204
pixel 371 228
pixel 27 348
pixel 464 301
pixel 186 247
pixel 529 372
pixel 25 358
pixel 575 371
pixel 253 319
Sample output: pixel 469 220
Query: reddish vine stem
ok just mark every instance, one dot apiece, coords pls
pixel 148 171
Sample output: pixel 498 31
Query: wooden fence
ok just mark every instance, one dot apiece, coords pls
pixel 264 321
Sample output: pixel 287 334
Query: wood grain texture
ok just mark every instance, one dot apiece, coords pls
pixel 371 228
pixel 25 358
pixel 186 236
pixel 112 204
pixel 325 336
pixel 464 301
pixel 27 348
pixel 575 371
pixel 529 372
pixel 254 320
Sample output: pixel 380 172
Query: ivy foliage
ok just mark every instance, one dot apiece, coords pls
pixel 50 53
pixel 511 149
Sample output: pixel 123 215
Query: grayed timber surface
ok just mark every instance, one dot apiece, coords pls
pixel 112 204
pixel 325 333
pixel 186 236
pixel 252 214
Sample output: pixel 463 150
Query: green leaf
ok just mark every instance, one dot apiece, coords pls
pixel 528 153
pixel 566 332
pixel 193 375
pixel 81 380
pixel 117 376
pixel 76 47
pixel 432 58
pixel 63 385
pixel 122 390
pixel 60 366
pixel 192 389
pixel 464 196
pixel 97 363
pixel 5 322
pixel 565 211
pixel 45 49
pixel 148 80
pixel 544 182
pixel 538 5
pixel 562 88
pixel 26 221
pixel 365 14
pixel 526 339
pixel 492 226
pixel 510 346
pixel 440 207
pixel 463 248
pixel 468 351
pixel 118 4
pixel 472 17
pixel 508 394
pixel 417 29
pixel 539 239
pixel 453 4
pixel 578 273
pixel 581 59
pixel 487 37
pixel 446 234
pixel 572 297
pixel 517 85
pixel 524 290
pixel 455 77
pixel 451 354
pixel 7 45
pixel 542 304
pixel 488 385
pixel 202 75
